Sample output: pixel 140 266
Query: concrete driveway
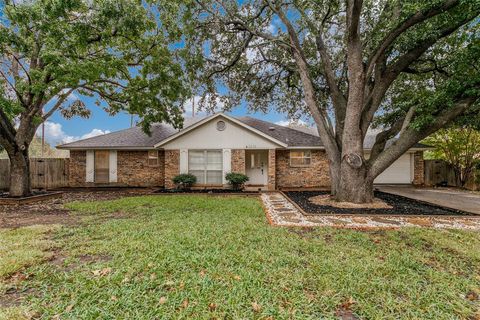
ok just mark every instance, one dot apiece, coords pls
pixel 445 197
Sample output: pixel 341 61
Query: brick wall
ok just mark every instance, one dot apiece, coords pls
pixel 315 175
pixel 172 167
pixel 418 168
pixel 132 169
pixel 238 160
pixel 77 167
pixel 271 169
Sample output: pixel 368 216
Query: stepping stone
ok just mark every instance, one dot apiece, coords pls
pixel 383 220
pixel 420 222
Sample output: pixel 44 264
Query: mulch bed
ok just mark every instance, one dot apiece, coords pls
pixel 400 205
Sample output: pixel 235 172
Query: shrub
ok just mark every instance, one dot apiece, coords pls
pixel 236 180
pixel 184 181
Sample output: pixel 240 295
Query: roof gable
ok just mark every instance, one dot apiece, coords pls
pixel 248 136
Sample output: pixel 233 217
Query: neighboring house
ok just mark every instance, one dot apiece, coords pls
pixel 272 156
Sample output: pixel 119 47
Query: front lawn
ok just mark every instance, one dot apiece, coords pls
pixel 204 257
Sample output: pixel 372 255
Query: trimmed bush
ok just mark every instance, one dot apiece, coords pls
pixel 184 181
pixel 236 180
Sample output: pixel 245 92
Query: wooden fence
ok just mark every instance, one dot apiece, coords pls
pixel 438 172
pixel 44 172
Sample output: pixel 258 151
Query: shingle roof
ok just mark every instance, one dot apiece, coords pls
pixel 135 138
pixel 289 136
pixel 129 139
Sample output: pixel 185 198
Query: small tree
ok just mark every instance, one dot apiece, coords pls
pixel 236 180
pixel 459 147
pixel 184 181
pixel 112 50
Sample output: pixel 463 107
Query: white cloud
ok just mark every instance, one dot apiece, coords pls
pixel 95 132
pixel 298 122
pixel 283 123
pixel 300 125
pixel 55 135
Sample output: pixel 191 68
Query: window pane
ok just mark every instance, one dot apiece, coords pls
pixel 153 161
pixel 152 154
pixel 296 154
pixel 214 177
pixel 296 161
pixel 300 158
pixel 214 160
pixel 196 160
pixel 200 176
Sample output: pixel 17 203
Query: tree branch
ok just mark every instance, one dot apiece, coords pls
pixel 6 128
pixel 393 70
pixel 403 26
pixel 57 105
pixel 236 57
pixel 319 115
pixel 411 135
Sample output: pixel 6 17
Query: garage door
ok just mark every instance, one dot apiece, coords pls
pixel 398 172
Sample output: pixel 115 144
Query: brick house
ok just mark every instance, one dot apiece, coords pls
pixel 272 156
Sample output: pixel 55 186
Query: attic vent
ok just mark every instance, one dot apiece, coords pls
pixel 221 125
pixel 271 128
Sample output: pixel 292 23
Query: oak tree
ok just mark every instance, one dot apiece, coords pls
pixel 407 67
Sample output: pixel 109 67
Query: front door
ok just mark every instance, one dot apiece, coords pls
pixel 102 166
pixel 256 163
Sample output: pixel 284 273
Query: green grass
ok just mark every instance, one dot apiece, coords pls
pixel 219 255
pixel 23 247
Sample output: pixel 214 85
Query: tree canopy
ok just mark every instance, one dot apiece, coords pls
pixel 408 67
pixel 115 51
pixel 459 147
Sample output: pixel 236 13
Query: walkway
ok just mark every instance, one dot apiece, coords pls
pixel 281 212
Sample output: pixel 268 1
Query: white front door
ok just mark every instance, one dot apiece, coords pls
pixel 256 163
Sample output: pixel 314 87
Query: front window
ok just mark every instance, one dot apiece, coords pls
pixel 153 158
pixel 206 165
pixel 300 158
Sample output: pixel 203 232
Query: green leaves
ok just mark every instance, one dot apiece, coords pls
pixel 115 51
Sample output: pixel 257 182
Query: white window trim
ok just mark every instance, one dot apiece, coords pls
pixel 205 171
pixel 302 157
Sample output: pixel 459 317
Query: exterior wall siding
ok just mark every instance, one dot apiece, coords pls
pixel 316 175
pixel 172 167
pixel 418 168
pixel 132 169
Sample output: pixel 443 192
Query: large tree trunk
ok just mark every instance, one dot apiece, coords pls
pixel 355 185
pixel 20 184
